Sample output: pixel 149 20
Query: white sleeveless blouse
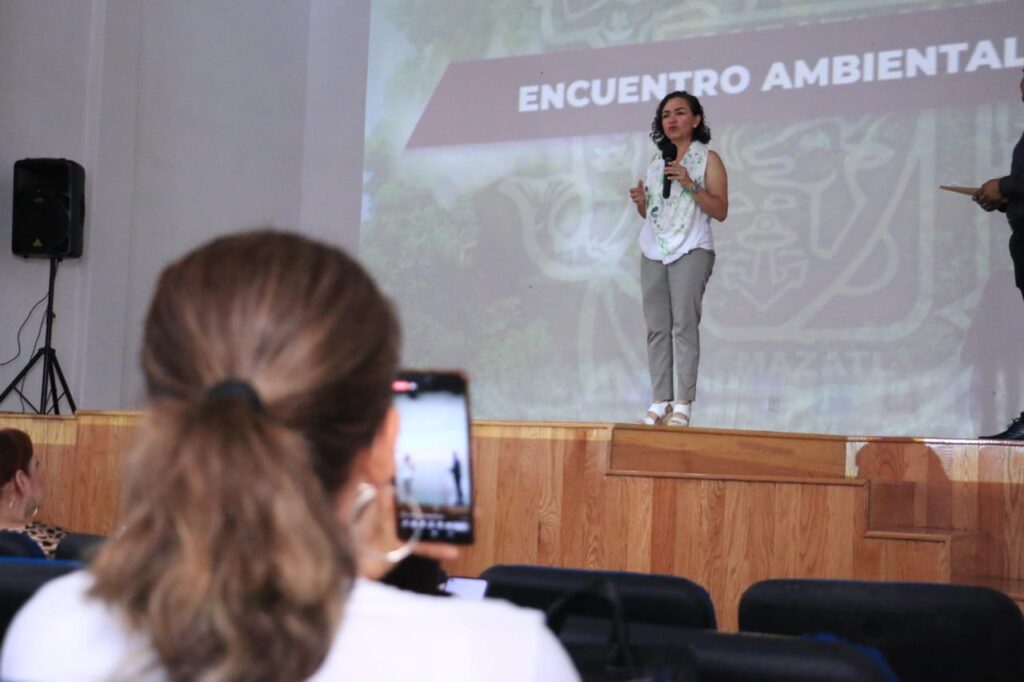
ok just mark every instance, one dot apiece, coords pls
pixel 677 225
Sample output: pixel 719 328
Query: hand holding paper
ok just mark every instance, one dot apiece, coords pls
pixel 959 189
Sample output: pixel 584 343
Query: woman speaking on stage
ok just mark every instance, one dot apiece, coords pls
pixel 684 188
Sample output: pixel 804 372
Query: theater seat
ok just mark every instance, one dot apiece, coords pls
pixel 653 605
pixel 726 657
pixel 926 631
pixel 15 544
pixel 79 546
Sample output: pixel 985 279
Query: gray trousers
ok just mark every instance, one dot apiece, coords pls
pixel 672 297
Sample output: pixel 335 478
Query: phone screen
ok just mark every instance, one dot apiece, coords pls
pixel 433 480
pixel 468 588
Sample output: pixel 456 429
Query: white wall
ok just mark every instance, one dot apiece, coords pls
pixel 43 94
pixel 191 118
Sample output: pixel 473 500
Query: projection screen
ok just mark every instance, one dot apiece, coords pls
pixel 849 296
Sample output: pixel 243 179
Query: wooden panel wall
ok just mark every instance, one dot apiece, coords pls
pixel 544 497
pixel 546 494
pixel 81 458
pixel 640 449
pixel 956 485
pixel 104 442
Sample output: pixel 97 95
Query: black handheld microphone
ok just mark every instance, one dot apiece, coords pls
pixel 668 154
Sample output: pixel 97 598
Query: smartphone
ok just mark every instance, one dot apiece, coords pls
pixel 467 588
pixel 434 478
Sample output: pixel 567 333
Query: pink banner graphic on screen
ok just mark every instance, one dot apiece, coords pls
pixel 902 62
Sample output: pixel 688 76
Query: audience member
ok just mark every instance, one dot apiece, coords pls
pixel 1006 194
pixel 21 492
pixel 268 360
pixel 683 189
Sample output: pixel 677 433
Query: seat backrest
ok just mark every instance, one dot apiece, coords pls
pixel 711 656
pixel 731 657
pixel 16 544
pixel 652 604
pixel 927 631
pixel 19 580
pixel 79 546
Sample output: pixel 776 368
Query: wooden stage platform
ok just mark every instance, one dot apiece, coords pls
pixel 723 508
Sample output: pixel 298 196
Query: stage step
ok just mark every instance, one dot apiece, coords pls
pixel 928 554
pixel 720 453
pixel 891 504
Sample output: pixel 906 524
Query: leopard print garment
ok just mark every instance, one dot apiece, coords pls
pixel 46 536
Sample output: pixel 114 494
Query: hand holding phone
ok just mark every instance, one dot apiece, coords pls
pixel 434 482
pixel 376 535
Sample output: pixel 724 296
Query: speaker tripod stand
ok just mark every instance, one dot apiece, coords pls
pixel 51 366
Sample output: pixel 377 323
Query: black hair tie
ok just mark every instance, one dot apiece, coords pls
pixel 235 388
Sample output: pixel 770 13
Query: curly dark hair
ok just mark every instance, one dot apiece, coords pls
pixel 701 133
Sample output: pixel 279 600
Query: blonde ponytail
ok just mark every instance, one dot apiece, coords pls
pixel 228 557
pixel 231 559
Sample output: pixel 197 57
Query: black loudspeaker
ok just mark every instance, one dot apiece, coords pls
pixel 49 208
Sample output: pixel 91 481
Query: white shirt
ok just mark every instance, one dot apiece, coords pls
pixel 676 225
pixel 386 634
